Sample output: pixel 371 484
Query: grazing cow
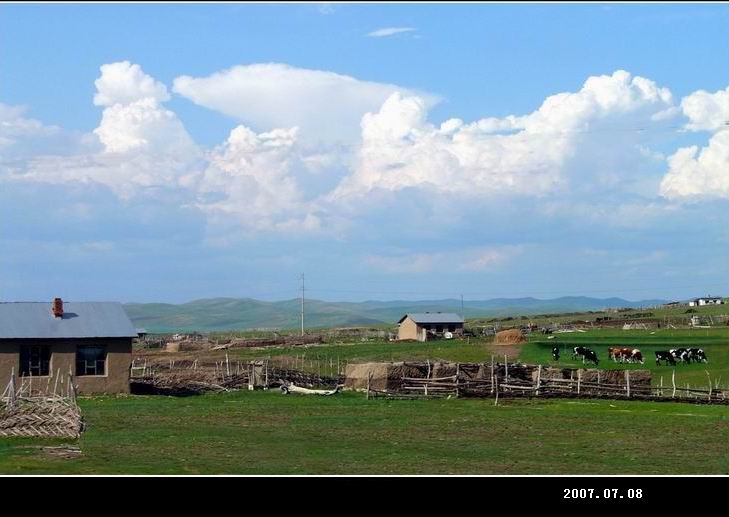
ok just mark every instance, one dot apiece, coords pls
pixel 626 355
pixel 665 356
pixel 586 354
pixel 698 355
pixel 555 353
pixel 680 355
pixel 614 353
pixel 636 356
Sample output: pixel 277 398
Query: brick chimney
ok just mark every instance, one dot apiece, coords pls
pixel 57 308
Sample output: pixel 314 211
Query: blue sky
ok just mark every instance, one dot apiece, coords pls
pixel 162 152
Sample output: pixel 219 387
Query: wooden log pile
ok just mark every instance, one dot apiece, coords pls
pixel 55 417
pixel 55 414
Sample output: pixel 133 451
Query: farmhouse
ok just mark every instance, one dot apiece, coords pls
pixel 429 325
pixel 90 340
pixel 709 300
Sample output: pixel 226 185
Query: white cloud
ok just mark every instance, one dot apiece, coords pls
pixel 694 172
pixel 143 125
pixel 323 105
pixel 249 181
pixel 143 145
pixel 125 83
pixel 389 31
pixel 527 155
pixel 706 111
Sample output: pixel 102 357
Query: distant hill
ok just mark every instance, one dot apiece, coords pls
pixel 215 314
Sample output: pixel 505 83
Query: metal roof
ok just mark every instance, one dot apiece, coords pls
pixel 33 320
pixel 433 317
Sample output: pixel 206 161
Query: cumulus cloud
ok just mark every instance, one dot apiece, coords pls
pixel 125 83
pixel 143 125
pixel 141 145
pixel 706 111
pixel 527 155
pixel 695 172
pixel 325 106
pixel 389 31
pixel 249 179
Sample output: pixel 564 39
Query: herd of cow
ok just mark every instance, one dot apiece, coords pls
pixel 634 355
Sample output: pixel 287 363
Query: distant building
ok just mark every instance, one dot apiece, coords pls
pixel 423 326
pixel 90 340
pixel 709 300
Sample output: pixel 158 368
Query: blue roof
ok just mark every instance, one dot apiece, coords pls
pixel 34 320
pixel 433 317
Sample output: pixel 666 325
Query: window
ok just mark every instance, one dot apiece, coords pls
pixel 35 360
pixel 91 360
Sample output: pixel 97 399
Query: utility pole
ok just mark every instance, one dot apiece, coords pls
pixel 302 304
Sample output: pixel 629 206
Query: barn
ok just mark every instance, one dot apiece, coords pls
pixel 90 340
pixel 423 326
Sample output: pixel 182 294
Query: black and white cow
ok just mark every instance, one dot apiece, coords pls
pixel 586 354
pixel 665 356
pixel 555 353
pixel 697 354
pixel 680 355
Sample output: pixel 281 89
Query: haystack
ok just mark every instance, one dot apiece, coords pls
pixel 509 337
pixel 384 376
pixel 591 375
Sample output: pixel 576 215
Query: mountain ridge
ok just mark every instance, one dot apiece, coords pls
pixel 223 313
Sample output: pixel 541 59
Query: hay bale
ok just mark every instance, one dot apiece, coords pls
pixel 509 337
pixel 385 376
pixel 590 375
pixel 172 346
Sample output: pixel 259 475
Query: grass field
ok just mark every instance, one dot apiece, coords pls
pixel 715 343
pixel 269 433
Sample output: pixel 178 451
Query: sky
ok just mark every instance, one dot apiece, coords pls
pixel 171 152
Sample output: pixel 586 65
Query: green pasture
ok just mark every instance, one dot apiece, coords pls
pixel 269 433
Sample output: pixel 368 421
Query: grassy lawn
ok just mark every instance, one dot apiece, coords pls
pixel 465 351
pixel 715 343
pixel 269 433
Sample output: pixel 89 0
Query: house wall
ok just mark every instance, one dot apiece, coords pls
pixel 408 329
pixel 63 358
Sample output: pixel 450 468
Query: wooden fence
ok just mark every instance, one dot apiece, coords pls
pixel 511 380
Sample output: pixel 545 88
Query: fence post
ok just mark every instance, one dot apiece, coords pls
pixel 627 382
pixel 673 381
pixel 579 380
pixel 492 374
pixel 708 377
pixel 539 379
pixel 369 379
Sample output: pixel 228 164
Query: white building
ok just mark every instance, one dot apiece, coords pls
pixel 709 300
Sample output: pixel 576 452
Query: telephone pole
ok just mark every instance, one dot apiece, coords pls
pixel 302 304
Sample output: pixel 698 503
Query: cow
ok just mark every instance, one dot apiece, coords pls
pixel 697 354
pixel 586 354
pixel 614 353
pixel 665 356
pixel 636 356
pixel 680 354
pixel 555 353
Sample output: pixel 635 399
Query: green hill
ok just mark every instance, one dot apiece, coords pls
pixel 219 314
